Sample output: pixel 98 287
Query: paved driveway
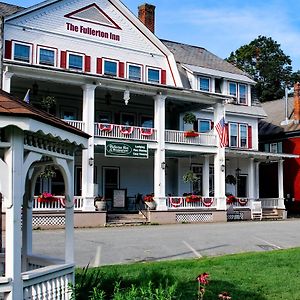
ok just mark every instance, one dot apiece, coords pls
pixel 114 245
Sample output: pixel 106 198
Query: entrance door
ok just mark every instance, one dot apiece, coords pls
pixel 111 181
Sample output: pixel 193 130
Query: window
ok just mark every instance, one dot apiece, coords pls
pixel 75 62
pixel 127 119
pixel 242 186
pixel 232 89
pixel 243 135
pixel 147 121
pixel 242 94
pixel 204 126
pixel 110 68
pixel 233 129
pixel 46 57
pixel 273 148
pixel 153 76
pixel 22 52
pixel 134 73
pixel 68 113
pixel 197 185
pixel 204 84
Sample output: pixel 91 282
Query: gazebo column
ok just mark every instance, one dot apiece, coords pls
pixel 219 161
pixel 88 154
pixel 160 155
pixel 251 179
pixel 280 185
pixel 205 181
pixel 14 160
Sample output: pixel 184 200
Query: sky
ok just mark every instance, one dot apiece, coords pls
pixel 222 26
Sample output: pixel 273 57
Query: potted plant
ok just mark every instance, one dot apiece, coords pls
pixel 230 179
pixel 149 200
pixel 190 118
pixel 99 203
pixel 189 176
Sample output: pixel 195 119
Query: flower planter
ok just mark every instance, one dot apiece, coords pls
pixel 151 204
pixel 100 205
pixel 191 134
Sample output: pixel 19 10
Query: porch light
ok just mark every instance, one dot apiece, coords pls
pixel 237 172
pixel 126 96
pixel 91 161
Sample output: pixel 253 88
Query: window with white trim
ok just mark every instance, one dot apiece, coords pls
pixel 233 134
pixel 153 75
pixel 204 125
pixel 46 56
pixel 135 72
pixel 238 135
pixel 22 52
pixel 204 84
pixel 243 135
pixel 232 89
pixel 75 61
pixel 110 68
pixel 242 94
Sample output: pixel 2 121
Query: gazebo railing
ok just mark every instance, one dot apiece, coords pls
pixel 51 282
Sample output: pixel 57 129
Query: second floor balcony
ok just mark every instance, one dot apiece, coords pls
pixel 135 133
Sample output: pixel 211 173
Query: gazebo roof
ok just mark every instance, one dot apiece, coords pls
pixel 12 106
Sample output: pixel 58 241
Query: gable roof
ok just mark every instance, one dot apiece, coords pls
pixel 9 9
pixel 200 57
pixel 11 106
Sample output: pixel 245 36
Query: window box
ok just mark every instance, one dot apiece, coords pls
pixel 191 134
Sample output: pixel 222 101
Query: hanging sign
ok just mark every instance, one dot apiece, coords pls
pixel 129 150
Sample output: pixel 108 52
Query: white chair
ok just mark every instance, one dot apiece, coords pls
pixel 256 210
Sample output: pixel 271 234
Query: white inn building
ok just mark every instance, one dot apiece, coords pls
pixel 114 79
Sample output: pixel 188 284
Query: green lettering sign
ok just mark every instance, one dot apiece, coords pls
pixel 129 150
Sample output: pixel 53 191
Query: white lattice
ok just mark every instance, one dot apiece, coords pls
pixel 199 217
pixel 48 221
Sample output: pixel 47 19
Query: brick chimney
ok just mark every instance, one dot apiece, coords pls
pixel 147 16
pixel 297 102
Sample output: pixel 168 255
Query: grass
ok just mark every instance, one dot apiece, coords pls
pixel 255 276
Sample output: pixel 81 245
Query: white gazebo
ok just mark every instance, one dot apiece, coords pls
pixel 30 140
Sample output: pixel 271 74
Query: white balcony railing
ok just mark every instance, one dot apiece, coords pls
pixel 78 124
pixel 125 132
pixel 178 202
pixel 57 204
pixel 269 202
pixel 178 137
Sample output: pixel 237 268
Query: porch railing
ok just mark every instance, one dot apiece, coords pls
pixel 125 132
pixel 269 202
pixel 59 204
pixel 50 282
pixel 178 137
pixel 78 124
pixel 178 202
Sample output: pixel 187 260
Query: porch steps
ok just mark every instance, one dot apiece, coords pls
pixel 121 219
pixel 270 214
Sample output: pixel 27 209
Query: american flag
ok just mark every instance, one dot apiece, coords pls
pixel 222 132
pixel 26 97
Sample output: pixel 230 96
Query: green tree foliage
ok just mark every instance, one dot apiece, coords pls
pixel 265 61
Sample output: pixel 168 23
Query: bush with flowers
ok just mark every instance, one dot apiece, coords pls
pixel 149 197
pixel 193 198
pixel 46 197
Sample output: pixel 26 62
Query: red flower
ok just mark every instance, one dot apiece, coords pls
pixel 203 278
pixel 224 296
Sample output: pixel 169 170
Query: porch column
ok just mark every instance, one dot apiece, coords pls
pixel 88 115
pixel 257 180
pixel 205 181
pixel 159 158
pixel 251 179
pixel 280 185
pixel 13 203
pixel 219 161
pixel 6 80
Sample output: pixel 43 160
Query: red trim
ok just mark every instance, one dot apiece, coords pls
pixel 87 63
pixel 63 59
pixel 121 69
pixel 249 137
pixel 163 79
pixel 99 66
pixel 150 41
pixel 8 49
pixel 70 16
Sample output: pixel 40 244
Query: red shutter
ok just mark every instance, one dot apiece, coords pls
pixel 99 65
pixel 121 69
pixel 63 59
pixel 8 48
pixel 249 137
pixel 212 125
pixel 87 64
pixel 163 79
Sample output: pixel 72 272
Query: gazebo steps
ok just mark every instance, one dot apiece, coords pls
pixel 119 219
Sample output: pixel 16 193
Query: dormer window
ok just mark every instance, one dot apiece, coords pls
pixel 153 75
pixel 135 72
pixel 232 89
pixel 242 94
pixel 204 84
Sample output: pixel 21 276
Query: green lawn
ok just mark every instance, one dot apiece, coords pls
pixel 260 275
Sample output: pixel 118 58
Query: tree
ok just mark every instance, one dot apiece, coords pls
pixel 267 64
